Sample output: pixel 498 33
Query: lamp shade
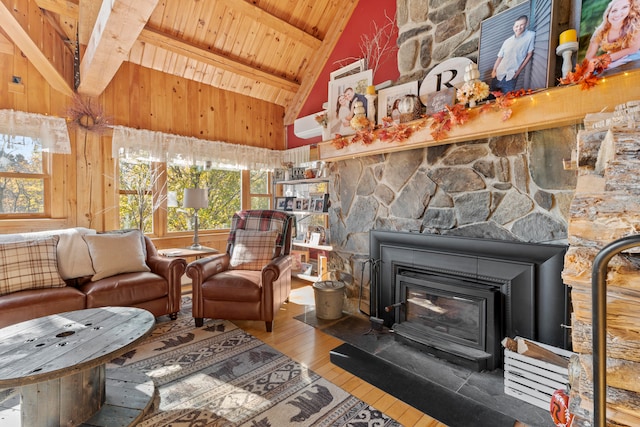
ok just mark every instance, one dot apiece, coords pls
pixel 195 198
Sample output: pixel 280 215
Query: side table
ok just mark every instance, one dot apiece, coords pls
pixel 187 252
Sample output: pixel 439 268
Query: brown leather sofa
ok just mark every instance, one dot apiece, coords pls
pixel 157 290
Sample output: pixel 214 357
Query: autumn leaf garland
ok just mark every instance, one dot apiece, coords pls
pixel 586 73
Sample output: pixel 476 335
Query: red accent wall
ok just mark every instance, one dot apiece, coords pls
pixel 348 46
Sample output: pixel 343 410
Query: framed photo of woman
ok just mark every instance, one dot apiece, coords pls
pixel 344 93
pixel 389 99
pixel 612 27
pixel 317 205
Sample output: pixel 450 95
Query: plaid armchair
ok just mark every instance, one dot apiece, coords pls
pixel 252 279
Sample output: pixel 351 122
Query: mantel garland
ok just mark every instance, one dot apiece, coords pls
pixel 441 123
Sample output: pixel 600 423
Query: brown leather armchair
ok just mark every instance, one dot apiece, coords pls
pixel 253 278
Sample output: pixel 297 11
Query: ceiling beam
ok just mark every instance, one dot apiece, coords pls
pixel 272 21
pixel 87 16
pixel 189 50
pixel 66 22
pixel 116 29
pixel 317 61
pixel 21 39
pixel 68 8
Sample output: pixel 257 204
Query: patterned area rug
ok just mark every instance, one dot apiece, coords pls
pixel 219 375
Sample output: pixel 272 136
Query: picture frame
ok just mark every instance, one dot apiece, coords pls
pixel 318 205
pixel 539 73
pixel 353 68
pixel 297 173
pixel 300 204
pixel 314 239
pixel 289 203
pixel 281 203
pixel 319 230
pixel 591 16
pixel 437 101
pixel 298 257
pixel 340 106
pixel 389 98
pixel 278 175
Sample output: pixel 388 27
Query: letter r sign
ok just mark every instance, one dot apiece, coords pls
pixel 447 74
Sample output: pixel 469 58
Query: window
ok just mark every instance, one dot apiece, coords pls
pixel 152 194
pixel 137 179
pixel 259 194
pixel 223 191
pixel 24 177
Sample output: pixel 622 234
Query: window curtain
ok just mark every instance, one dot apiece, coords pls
pixel 51 132
pixel 168 148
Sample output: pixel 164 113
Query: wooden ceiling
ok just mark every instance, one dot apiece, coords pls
pixel 271 50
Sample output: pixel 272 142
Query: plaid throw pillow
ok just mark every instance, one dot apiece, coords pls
pixel 253 249
pixel 263 220
pixel 31 264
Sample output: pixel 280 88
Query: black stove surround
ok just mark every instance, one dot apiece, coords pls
pixel 497 288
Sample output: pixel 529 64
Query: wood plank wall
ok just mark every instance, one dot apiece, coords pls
pixel 84 182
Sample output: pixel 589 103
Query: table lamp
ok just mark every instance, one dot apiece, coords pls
pixel 195 198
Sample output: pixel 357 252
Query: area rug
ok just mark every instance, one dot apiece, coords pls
pixel 219 375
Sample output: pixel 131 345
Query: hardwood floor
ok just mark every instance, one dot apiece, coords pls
pixel 310 347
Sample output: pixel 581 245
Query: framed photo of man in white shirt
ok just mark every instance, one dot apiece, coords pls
pixel 517 48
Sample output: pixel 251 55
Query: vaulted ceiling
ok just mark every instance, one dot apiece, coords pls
pixel 271 50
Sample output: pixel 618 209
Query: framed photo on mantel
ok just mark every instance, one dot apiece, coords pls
pixel 533 19
pixel 343 94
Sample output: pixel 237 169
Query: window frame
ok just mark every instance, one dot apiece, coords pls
pixel 45 176
pixel 247 195
pixel 159 194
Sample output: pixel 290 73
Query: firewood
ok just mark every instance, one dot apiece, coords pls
pixel 510 344
pixel 589 142
pixel 531 349
pixel 621 374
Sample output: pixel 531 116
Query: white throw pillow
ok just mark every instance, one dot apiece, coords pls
pixel 252 250
pixel 116 253
pixel 73 254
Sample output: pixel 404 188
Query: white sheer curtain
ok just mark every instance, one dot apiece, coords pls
pixel 164 147
pixel 52 132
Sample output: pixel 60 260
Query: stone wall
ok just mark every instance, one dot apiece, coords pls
pixel 510 187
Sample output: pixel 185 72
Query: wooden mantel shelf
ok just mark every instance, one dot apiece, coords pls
pixel 554 107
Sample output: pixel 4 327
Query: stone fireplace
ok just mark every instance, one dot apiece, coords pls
pixel 510 188
pixel 459 297
pixel 507 188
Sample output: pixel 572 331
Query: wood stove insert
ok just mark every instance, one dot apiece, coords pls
pixel 508 289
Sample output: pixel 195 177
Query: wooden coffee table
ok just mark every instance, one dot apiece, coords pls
pixel 59 364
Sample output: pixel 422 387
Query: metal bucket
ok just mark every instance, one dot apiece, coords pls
pixel 329 297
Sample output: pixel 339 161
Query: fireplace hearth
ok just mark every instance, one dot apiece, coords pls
pixel 457 297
